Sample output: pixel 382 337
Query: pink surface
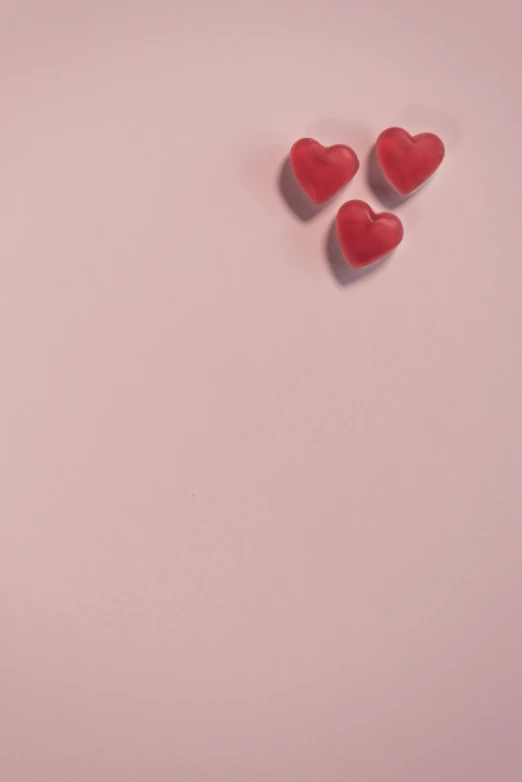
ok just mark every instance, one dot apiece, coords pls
pixel 260 515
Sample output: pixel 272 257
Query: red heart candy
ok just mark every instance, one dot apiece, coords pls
pixel 364 236
pixel 408 161
pixel 322 171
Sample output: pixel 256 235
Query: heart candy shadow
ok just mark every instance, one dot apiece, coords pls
pixel 380 187
pixel 295 198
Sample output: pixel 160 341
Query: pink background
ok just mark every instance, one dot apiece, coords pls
pixel 260 518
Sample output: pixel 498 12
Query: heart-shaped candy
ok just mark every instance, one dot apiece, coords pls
pixel 365 236
pixel 408 161
pixel 322 171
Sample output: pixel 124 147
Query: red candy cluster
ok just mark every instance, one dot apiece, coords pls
pixel 406 162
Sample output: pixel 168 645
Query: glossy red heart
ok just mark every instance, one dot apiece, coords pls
pixel 408 161
pixel 322 171
pixel 365 236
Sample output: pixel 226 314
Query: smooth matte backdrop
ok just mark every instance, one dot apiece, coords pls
pixel 260 517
